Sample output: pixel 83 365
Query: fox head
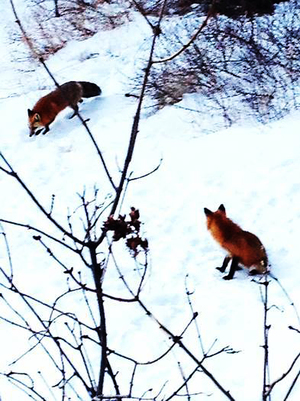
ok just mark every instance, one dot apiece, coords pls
pixel 35 122
pixel 214 216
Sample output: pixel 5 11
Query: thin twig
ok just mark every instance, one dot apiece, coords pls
pixel 12 173
pixel 24 34
pixel 284 375
pixel 266 329
pixel 146 174
pixel 292 386
pixel 7 251
pixel 136 120
pixel 188 293
pixel 142 11
pixel 53 338
pixel 37 230
pixel 210 13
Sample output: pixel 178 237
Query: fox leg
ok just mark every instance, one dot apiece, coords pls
pixel 76 109
pixel 253 271
pixel 43 130
pixel 47 129
pixel 224 265
pixel 233 268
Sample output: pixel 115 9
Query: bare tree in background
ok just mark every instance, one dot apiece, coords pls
pixel 243 65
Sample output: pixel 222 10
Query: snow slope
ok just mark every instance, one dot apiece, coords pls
pixel 252 169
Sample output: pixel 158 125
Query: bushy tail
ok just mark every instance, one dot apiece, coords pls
pixel 89 89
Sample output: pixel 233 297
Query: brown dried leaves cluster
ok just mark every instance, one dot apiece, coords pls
pixel 128 229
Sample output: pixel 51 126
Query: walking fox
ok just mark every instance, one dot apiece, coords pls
pixel 242 246
pixel 47 108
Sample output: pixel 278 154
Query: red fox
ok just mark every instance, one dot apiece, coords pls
pixel 242 246
pixel 47 108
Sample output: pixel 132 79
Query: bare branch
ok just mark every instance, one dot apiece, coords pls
pixel 12 173
pixel 29 227
pixel 284 375
pixel 135 126
pixel 292 386
pixel 210 14
pixel 143 13
pixel 147 174
pixel 266 339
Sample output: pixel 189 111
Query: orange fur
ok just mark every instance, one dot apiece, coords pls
pixel 48 107
pixel 243 246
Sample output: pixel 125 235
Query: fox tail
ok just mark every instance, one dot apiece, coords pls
pixel 89 89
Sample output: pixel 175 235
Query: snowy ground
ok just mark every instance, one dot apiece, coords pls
pixel 252 169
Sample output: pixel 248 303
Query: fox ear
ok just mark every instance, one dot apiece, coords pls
pixel 207 212
pixel 222 208
pixel 37 117
pixel 29 112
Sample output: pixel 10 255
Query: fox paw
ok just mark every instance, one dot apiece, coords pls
pixel 227 277
pixel 253 272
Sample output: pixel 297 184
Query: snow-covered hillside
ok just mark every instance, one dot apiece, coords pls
pixel 254 170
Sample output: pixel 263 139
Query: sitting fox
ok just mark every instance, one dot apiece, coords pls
pixel 47 108
pixel 242 246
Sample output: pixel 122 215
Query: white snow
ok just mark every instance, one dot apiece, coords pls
pixel 253 169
